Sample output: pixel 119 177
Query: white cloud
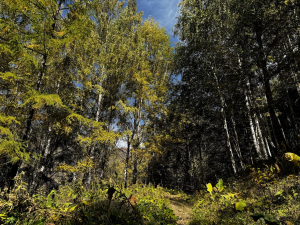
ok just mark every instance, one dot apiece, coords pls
pixel 163 11
pixel 121 144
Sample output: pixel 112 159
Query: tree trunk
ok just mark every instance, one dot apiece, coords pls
pixel 260 137
pixel 248 107
pixel 267 146
pixel 262 64
pixel 137 145
pixel 40 167
pixel 134 172
pixel 15 167
pixel 255 142
pixel 92 153
pixel 126 163
pixel 238 149
pixel 226 127
pixel 294 121
pixel 293 68
pixel 258 132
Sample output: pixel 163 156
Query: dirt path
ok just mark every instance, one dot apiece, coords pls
pixel 181 208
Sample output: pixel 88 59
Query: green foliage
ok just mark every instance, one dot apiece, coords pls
pixel 220 186
pixel 269 219
pixel 279 192
pixel 17 205
pixel 226 51
pixel 10 144
pixel 153 204
pixel 250 198
pixel 240 205
pixel 73 204
pixel 69 72
pixel 209 188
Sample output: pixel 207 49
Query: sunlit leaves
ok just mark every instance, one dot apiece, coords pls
pixel 279 192
pixel 220 186
pixel 240 205
pixel 293 158
pixel 81 166
pixel 209 188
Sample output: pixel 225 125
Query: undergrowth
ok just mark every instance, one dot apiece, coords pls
pixel 263 196
pixel 73 204
pixel 266 195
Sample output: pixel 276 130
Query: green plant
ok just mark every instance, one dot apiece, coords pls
pixel 267 218
pixel 220 186
pixel 209 188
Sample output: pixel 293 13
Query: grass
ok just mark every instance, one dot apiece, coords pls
pixel 263 196
pixel 260 196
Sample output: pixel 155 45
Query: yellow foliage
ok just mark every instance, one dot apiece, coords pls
pixel 292 158
pixel 60 33
pixel 82 166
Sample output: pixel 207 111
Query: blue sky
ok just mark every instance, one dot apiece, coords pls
pixel 163 11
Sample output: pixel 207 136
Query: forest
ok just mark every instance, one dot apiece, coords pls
pixel 103 121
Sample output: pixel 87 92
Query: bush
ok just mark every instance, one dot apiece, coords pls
pixel 73 204
pixel 262 195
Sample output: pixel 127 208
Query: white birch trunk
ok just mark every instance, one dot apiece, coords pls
pixel 46 153
pixel 260 137
pixel 252 128
pixel 267 137
pixel 256 145
pixel 267 146
pixel 89 179
pixel 270 135
pixel 228 140
pixel 238 149
pixel 225 126
pixel 281 129
pixel 258 132
pixel 41 168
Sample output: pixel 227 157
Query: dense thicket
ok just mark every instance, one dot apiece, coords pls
pixel 237 102
pixel 75 78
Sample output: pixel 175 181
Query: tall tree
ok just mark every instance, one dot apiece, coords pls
pixel 233 72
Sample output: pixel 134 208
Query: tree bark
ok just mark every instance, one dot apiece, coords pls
pixel 92 153
pixel 250 118
pixel 138 140
pixel 238 149
pixel 40 167
pixel 226 126
pixel 15 167
pixel 294 121
pixel 262 64
pixel 126 163
pixel 256 145
pixel 260 137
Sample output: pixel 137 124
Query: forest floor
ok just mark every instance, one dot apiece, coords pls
pixel 181 208
pixel 265 195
